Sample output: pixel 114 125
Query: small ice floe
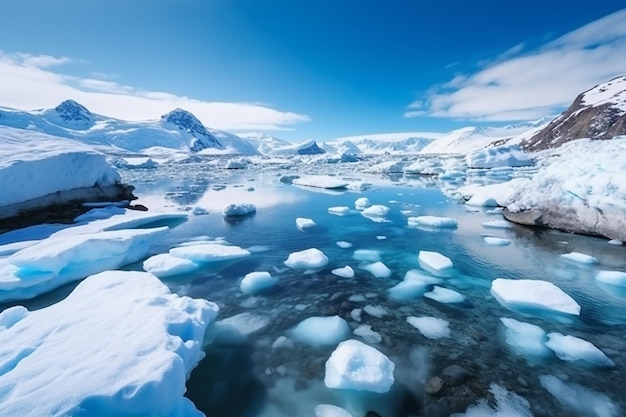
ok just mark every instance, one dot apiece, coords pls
pixel 257 282
pixel 321 331
pixel 362 203
pixel 304 223
pixel 574 349
pixel 357 366
pixel 320 181
pixel 376 213
pixel 329 410
pixel 376 311
pixel 237 328
pixel 524 338
pixel 239 209
pixel 436 263
pixel 445 295
pixel 612 277
pixel 507 404
pixel 378 269
pixel 166 265
pixel 344 245
pixel 345 272
pixel 615 242
pixel 370 336
pixel 430 327
pixel 414 284
pixel 581 400
pixel 367 255
pixel 308 259
pixel 497 224
pixel 533 295
pixel 580 258
pixel 339 210
pixel 496 241
pixel 432 222
pixel 209 252
pixel 381 237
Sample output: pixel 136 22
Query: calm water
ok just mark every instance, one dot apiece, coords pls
pixel 249 378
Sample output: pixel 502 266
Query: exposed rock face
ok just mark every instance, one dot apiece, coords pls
pixel 598 113
pixel 183 120
pixel 74 115
pixel 310 148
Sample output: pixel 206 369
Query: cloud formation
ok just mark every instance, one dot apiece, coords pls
pixel 29 82
pixel 526 86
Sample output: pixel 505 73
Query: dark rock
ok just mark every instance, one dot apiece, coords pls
pixel 434 386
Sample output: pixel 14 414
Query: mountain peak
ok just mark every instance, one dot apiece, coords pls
pixel 187 122
pixel 74 114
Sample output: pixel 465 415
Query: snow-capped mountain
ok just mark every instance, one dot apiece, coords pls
pixel 598 113
pixel 263 143
pixel 381 143
pixel 178 130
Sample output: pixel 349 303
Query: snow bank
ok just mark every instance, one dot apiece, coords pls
pixel 533 294
pixel 80 355
pixel 498 156
pixel 322 331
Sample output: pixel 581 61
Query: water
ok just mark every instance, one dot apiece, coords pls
pixel 250 378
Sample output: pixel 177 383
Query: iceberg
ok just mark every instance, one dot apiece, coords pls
pixel 435 263
pixel 329 410
pixel 339 210
pixel 308 259
pixel 533 294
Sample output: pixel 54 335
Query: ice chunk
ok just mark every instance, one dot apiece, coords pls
pixel 355 314
pixel 304 223
pixel 574 349
pixel 496 241
pixel 615 242
pixel 367 255
pixel 282 342
pixel 320 181
pixel 430 327
pixel 257 282
pixel 580 258
pixel 235 329
pixel 414 285
pixel 345 272
pixel 322 331
pixel 339 210
pixel 370 336
pixel 375 311
pixel 445 295
pixel 612 277
pixel 355 365
pixel 344 245
pixel 433 222
pixel 533 294
pixel 508 404
pixel 362 203
pixel 165 265
pixel 479 200
pixel 239 209
pixel 94 337
pixel 376 212
pixel 378 269
pixel 435 262
pixel 329 410
pixel 525 338
pixel 308 259
pixel 578 398
pixel 209 252
pixel 497 224
pixel 498 156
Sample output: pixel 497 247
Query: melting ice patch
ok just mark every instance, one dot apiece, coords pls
pixel 367 255
pixel 533 294
pixel 445 295
pixel 524 338
pixel 580 258
pixel 339 210
pixel 430 327
pixel 575 349
pixel 578 398
pixel 257 282
pixel 612 277
pixel 496 241
pixel 378 269
pixel 508 404
pixel 362 203
pixel 414 284
pixel 322 331
pixel 320 181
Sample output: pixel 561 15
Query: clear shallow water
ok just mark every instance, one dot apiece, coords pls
pixel 250 378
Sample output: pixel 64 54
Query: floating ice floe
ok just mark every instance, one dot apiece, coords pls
pixel 378 269
pixel 580 258
pixel 435 262
pixel 533 294
pixel 430 327
pixel 357 366
pixel 339 210
pixel 432 222
pixel 612 277
pixel 320 181
pixel 498 224
pixel 508 404
pixel 362 203
pixel 304 223
pixel 579 399
pixel 257 282
pixel 322 331
pixel 524 338
pixel 344 245
pixel 370 336
pixel 375 311
pixel 209 252
pixel 445 295
pixel 80 355
pixel 329 410
pixel 615 242
pixel 166 265
pixel 376 213
pixel 496 241
pixel 414 284
pixel 367 255
pixel 345 272
pixel 575 349
pixel 239 209
pixel 308 259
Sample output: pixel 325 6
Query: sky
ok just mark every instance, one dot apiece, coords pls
pixel 311 69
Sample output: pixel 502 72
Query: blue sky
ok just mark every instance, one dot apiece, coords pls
pixel 311 69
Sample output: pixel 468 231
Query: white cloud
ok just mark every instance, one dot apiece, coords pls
pixel 29 83
pixel 525 86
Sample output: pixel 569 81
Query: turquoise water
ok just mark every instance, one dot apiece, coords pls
pixel 250 378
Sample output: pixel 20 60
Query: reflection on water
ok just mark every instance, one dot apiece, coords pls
pixel 255 379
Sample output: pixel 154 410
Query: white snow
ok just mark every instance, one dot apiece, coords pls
pixel 357 366
pixel 491 195
pixel 430 327
pixel 166 265
pixel 339 210
pixel 209 252
pixel 387 167
pixel 362 203
pixel 321 331
pixel 81 355
pixel 329 410
pixel 612 277
pixel 445 295
pixel 320 181
pixel 343 244
pixel 580 258
pixel 496 241
pixel 308 259
pixel 378 269
pixel 499 156
pixel 414 284
pixel 304 223
pixel 370 336
pixel 574 349
pixel 579 399
pixel 258 281
pixel 432 222
pixel 533 294
pixel 344 272
pixel 367 255
pixel 524 338
pixel 434 262
pixel 611 92
pixel 239 209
